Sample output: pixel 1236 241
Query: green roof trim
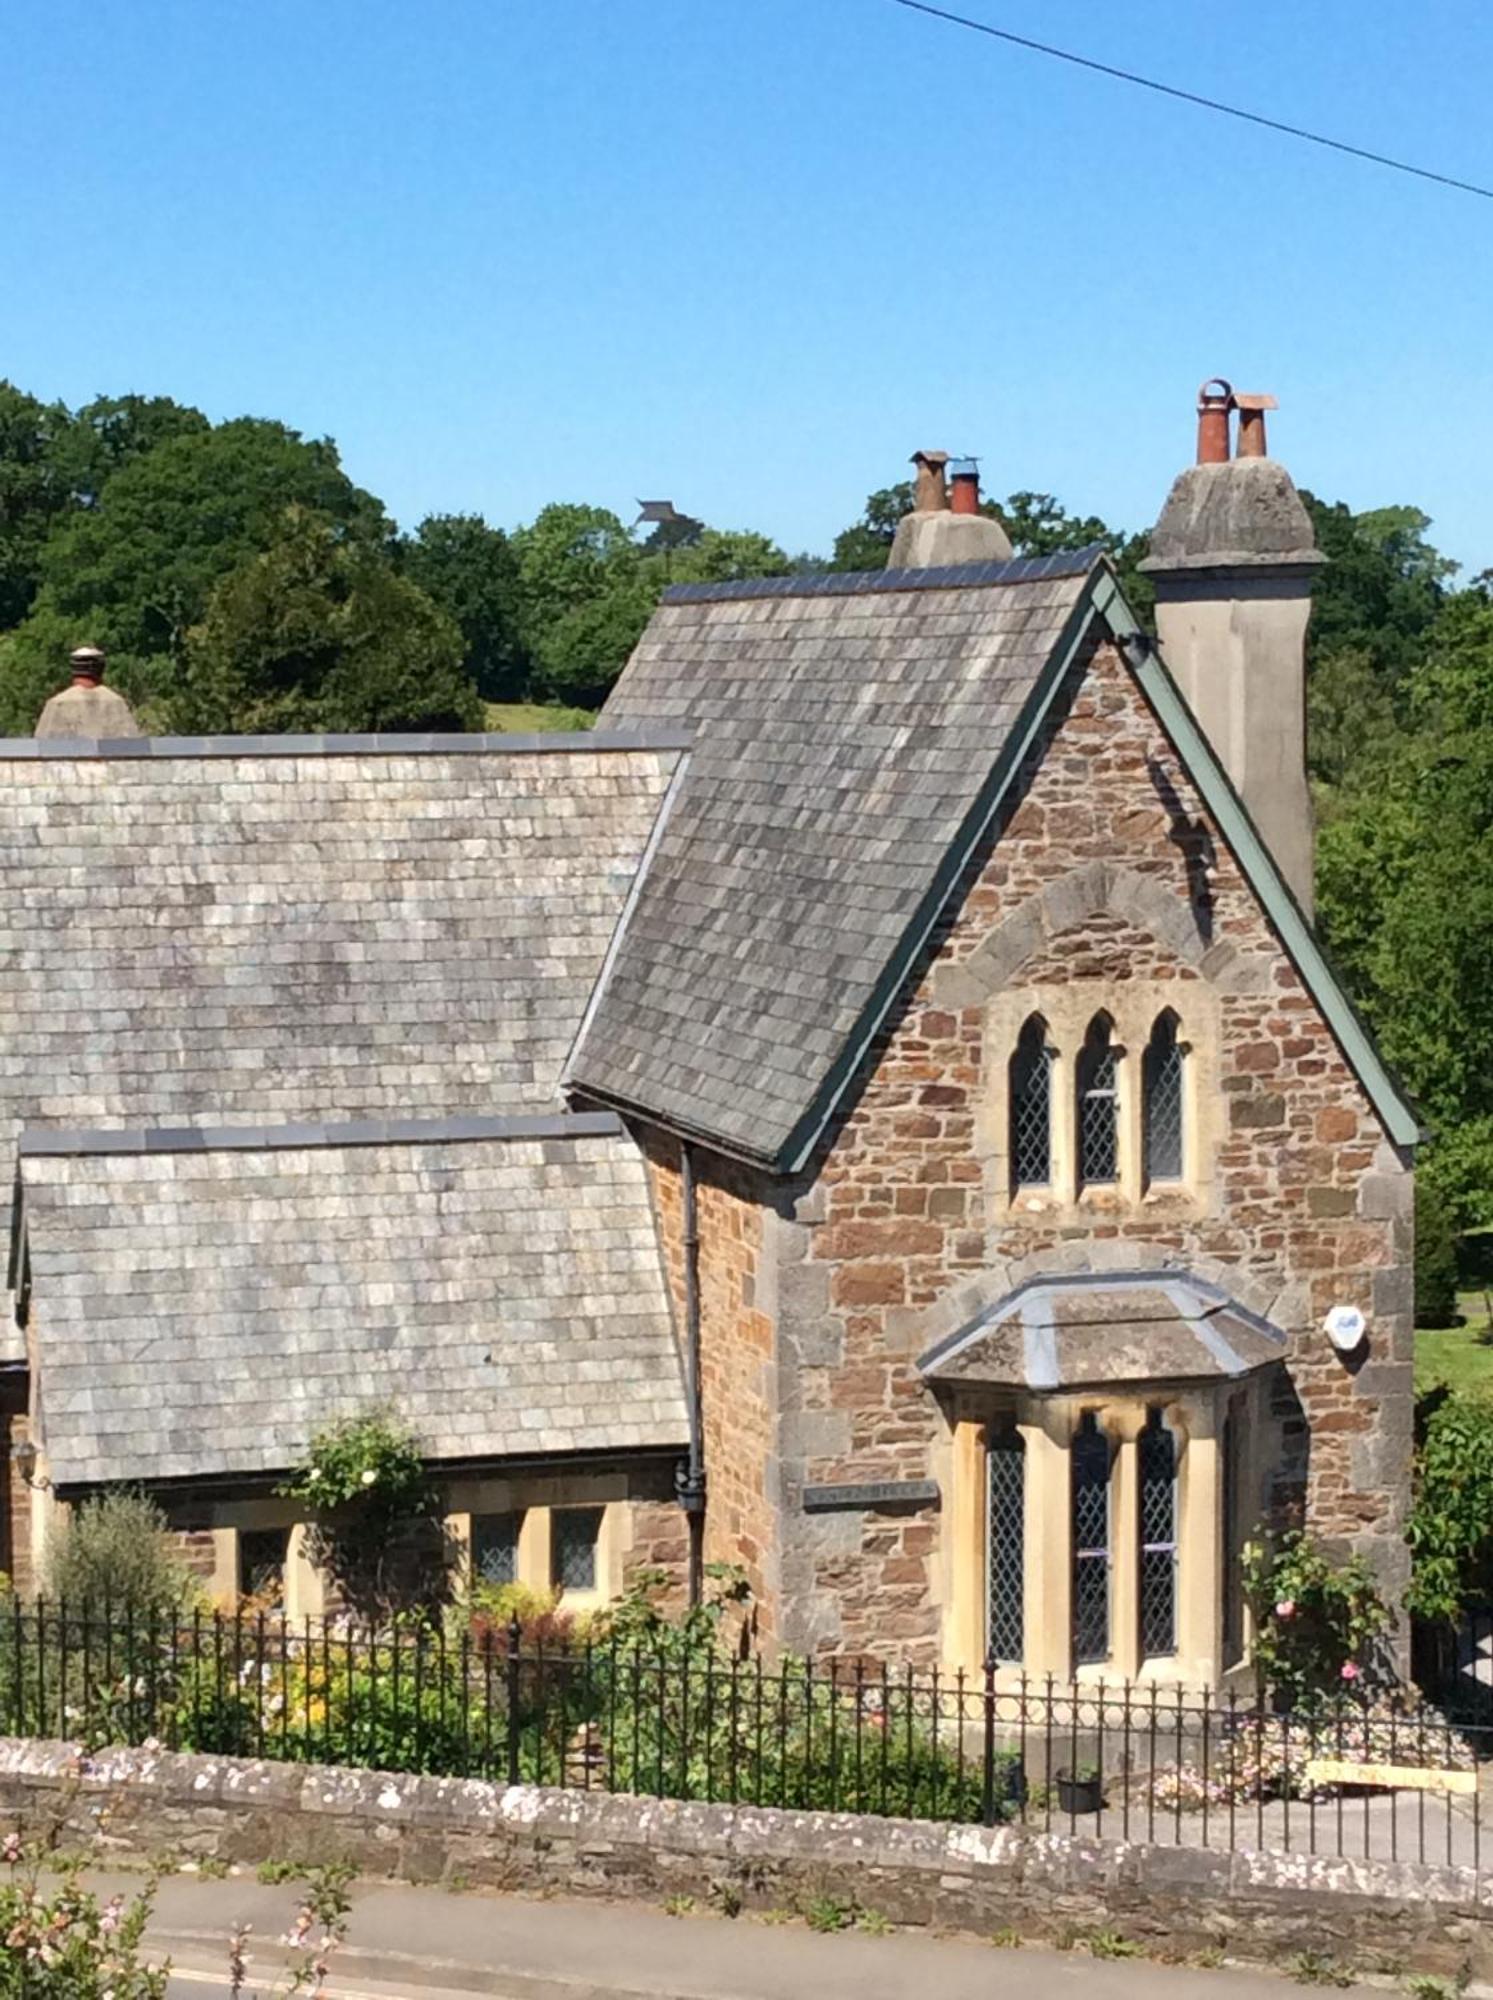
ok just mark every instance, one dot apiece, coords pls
pixel 1255 859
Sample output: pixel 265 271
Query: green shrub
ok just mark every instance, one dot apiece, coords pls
pixel 1435 1258
pixel 376 1527
pixel 1316 1620
pixel 67 1945
pixel 116 1551
pixel 1451 1521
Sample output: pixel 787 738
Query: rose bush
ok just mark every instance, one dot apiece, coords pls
pixel 1317 1621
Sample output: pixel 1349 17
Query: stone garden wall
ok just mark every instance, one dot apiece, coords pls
pixel 1370 1915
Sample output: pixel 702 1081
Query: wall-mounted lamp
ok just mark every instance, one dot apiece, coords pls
pixel 23 1456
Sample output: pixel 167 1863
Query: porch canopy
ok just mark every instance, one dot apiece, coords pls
pixel 1107 1330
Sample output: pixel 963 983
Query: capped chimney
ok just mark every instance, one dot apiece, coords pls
pixel 936 534
pixel 87 709
pixel 1232 558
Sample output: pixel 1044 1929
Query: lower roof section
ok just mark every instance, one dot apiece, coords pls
pixel 202 1310
pixel 1107 1331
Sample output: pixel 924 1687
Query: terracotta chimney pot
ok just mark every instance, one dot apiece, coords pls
pixel 965 473
pixel 1215 400
pixel 1252 424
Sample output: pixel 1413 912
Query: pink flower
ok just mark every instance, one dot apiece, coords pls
pixel 1348 1671
pixel 1286 1608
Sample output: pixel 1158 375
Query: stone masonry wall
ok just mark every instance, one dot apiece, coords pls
pixel 737 1347
pixel 1254 1905
pixel 1106 871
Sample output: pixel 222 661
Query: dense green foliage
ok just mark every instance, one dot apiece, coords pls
pixel 117 1550
pixel 470 572
pixel 627 1699
pixel 375 1515
pixel 319 632
pixel 1451 1521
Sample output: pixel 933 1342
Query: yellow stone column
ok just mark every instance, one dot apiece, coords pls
pixel 305 1587
pixel 967 1547
pixel 534 1563
pixel 1124 1425
pixel 1047 1427
pixel 1200 1543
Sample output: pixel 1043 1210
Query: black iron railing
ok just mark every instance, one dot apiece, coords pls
pixel 1371 1773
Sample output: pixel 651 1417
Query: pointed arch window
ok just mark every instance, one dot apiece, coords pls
pixel 1089 1467
pixel 1161 1100
pixel 1158 1538
pixel 1098 1122
pixel 1031 1107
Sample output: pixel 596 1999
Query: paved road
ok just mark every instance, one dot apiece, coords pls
pixel 428 1944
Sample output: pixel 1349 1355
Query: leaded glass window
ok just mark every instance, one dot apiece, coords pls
pixel 495 1548
pixel 1005 1461
pixel 574 1532
pixel 1233 1553
pixel 262 1557
pixel 1162 1101
pixel 1098 1126
pixel 1089 1457
pixel 1158 1538
pixel 1031 1107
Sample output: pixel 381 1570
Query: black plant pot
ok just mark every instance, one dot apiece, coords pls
pixel 1080 1795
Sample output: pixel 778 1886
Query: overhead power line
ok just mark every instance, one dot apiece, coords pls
pixel 1193 97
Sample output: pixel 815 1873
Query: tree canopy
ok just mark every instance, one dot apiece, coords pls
pixel 471 571
pixel 321 633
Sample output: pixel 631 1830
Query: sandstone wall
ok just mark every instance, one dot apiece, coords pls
pixel 737 1345
pixel 1107 873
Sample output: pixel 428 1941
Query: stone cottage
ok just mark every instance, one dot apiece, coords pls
pixel 876 1104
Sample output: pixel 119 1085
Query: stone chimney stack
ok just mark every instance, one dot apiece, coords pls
pixel 1232 558
pixel 87 709
pixel 935 535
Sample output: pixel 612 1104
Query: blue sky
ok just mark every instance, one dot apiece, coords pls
pixel 748 254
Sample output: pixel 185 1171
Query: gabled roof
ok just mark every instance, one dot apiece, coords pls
pixel 853 739
pixel 846 731
pixel 203 1302
pixel 253 929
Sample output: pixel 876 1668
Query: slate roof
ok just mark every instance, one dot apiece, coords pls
pixel 201 1307
pixel 1107 1331
pixel 259 929
pixel 846 731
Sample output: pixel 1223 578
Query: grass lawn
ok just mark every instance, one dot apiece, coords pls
pixel 524 718
pixel 1456 1355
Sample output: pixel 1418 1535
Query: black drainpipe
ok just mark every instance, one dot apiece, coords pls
pixel 689 1479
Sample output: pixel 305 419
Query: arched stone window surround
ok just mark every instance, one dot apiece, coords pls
pixel 990 978
pixel 1067 1012
pixel 1097 888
